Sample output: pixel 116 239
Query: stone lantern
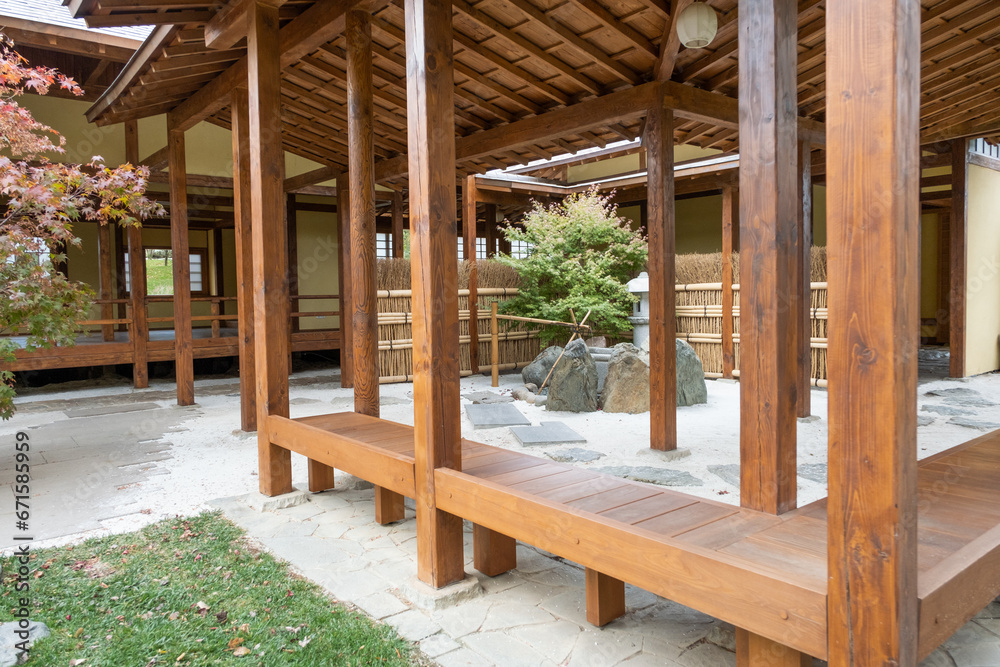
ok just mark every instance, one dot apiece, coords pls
pixel 640 309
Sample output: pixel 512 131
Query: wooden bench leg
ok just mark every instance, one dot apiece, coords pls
pixel 756 651
pixel 389 506
pixel 320 476
pixel 605 598
pixel 493 552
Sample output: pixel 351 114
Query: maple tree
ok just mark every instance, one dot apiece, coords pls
pixel 41 201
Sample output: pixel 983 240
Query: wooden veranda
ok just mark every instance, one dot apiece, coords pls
pixel 418 93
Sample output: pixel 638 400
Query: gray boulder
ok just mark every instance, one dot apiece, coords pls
pixel 626 388
pixel 9 638
pixel 536 372
pixel 691 389
pixel 573 387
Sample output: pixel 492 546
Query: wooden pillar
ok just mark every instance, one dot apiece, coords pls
pixel 346 297
pixel 469 237
pixel 730 244
pixel 244 258
pixel 873 185
pixel 105 259
pixel 121 248
pixel 270 255
pixel 397 225
pixel 139 329
pixel 804 281
pixel 769 298
pixel 491 230
pixel 958 226
pixel 433 237
pixel 180 252
pixel 662 318
pixel 361 177
pixel 605 598
pixel 292 231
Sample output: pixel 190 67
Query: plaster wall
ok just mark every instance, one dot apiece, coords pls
pixel 982 327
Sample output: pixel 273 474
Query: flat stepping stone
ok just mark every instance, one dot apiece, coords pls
pixel 650 475
pixel 493 415
pixel 814 472
pixel 547 433
pixel 953 391
pixel 924 420
pixel 947 410
pixel 487 398
pixel 728 472
pixel 575 455
pixel 109 410
pixel 973 423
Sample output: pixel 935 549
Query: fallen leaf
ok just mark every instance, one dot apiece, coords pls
pixel 173 616
pixel 234 642
pixel 75 662
pixel 241 651
pixel 180 657
pixel 222 616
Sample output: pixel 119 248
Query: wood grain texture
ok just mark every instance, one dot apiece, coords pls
pixel 106 271
pixel 959 227
pixel 346 287
pixel 240 115
pixel 389 507
pixel 769 302
pixel 398 226
pixel 730 244
pixel 139 330
pixel 270 254
pixel 803 280
pixel 605 598
pixel 492 553
pixel 434 236
pixel 180 251
pixel 469 197
pixel 873 178
pixel 492 231
pixel 756 651
pixel 662 322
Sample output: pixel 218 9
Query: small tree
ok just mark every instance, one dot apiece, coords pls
pixel 41 200
pixel 581 256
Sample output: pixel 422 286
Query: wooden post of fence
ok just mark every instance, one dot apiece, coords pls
pixel 215 323
pixel 469 237
pixel 495 347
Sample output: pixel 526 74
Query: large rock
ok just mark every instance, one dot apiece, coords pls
pixel 691 389
pixel 626 389
pixel 10 637
pixel 536 372
pixel 573 387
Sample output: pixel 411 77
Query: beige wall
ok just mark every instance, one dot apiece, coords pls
pixel 982 326
pixel 318 237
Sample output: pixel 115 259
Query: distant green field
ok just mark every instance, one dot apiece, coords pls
pixel 159 277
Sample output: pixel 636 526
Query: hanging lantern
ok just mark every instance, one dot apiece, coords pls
pixel 697 25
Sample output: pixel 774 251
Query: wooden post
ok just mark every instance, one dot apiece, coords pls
pixel 804 280
pixel 292 230
pixel 730 244
pixel 139 329
pixel 491 230
pixel 270 256
pixel 397 225
pixel 346 297
pixel 469 238
pixel 219 258
pixel 873 185
pixel 756 651
pixel 180 252
pixel 121 248
pixel 769 298
pixel 107 273
pixel 433 236
pixel 493 553
pixel 495 345
pixel 959 255
pixel 662 320
pixel 244 258
pixel 361 175
pixel 605 598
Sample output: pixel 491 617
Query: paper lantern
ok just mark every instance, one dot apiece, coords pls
pixel 697 25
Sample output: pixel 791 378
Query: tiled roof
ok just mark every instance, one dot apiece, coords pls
pixel 51 12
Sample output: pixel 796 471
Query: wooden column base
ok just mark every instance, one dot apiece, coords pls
pixel 756 651
pixel 320 476
pixel 605 598
pixel 275 467
pixel 493 552
pixel 389 506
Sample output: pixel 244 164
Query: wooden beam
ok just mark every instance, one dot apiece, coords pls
pixel 398 248
pixel 240 116
pixel 469 218
pixel 968 130
pixel 148 18
pixel 346 290
pixel 228 26
pixel 296 183
pixel 769 301
pixel 670 42
pixel 803 280
pixel 156 161
pixel 69 40
pixel 730 244
pixel 270 255
pixel 662 320
pixel 959 228
pixel 180 252
pixel 139 329
pixel 873 179
pixel 433 237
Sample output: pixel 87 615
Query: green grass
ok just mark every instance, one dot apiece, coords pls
pixel 159 278
pixel 189 592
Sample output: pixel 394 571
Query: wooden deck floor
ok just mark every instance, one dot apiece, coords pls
pixel 764 573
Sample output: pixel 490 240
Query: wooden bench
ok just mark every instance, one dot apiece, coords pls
pixel 764 573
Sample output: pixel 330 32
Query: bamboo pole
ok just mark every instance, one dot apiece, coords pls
pixel 495 341
pixel 571 339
